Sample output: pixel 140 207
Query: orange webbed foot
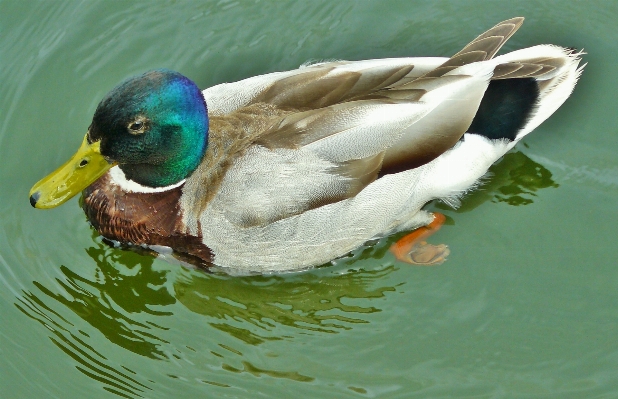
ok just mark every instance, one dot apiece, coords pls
pixel 414 250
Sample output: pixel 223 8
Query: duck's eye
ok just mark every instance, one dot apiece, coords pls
pixel 138 126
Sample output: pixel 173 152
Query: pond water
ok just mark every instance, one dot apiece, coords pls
pixel 526 305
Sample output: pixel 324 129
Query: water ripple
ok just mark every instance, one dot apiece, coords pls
pixel 256 309
pixel 90 362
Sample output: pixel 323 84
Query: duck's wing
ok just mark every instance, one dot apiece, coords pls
pixel 391 118
pixel 317 157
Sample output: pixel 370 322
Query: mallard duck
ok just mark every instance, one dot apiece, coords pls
pixel 290 170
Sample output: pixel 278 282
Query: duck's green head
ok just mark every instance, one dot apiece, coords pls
pixel 153 126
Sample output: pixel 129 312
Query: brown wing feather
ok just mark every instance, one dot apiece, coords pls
pixel 377 78
pixel 483 48
pixel 504 30
pixel 530 69
pixel 319 88
pixel 504 70
pixel 312 89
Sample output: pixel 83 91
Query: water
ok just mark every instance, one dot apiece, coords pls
pixel 524 307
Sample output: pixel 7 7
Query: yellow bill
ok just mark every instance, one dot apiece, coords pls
pixel 83 169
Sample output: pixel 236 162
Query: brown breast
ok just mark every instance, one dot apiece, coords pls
pixel 138 218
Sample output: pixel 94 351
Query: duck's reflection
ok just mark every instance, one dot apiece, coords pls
pixel 122 286
pixel 128 300
pixel 513 180
pixel 123 283
pixel 259 308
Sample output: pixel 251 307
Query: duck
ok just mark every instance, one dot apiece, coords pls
pixel 290 170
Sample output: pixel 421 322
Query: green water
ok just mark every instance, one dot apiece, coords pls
pixel 526 305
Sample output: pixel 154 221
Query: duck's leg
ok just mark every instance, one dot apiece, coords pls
pixel 414 250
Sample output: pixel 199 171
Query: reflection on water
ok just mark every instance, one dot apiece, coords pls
pixel 122 280
pixel 89 360
pixel 258 372
pixel 123 283
pixel 123 297
pixel 255 309
pixel 512 180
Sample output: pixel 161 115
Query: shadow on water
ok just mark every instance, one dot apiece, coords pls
pixel 513 180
